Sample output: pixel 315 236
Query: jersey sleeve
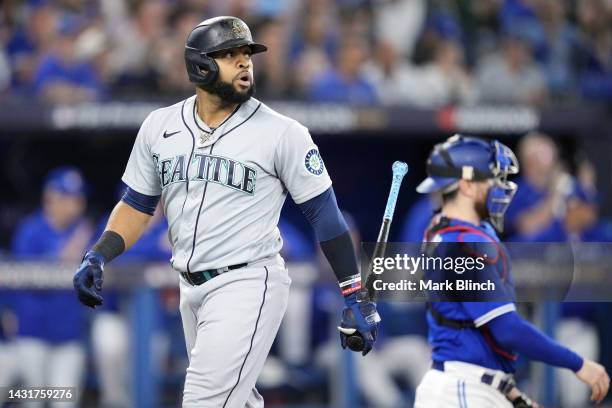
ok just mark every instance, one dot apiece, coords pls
pixel 141 170
pixel 299 164
pixel 482 313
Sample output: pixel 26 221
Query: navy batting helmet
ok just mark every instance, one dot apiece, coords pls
pixel 212 35
pixel 475 159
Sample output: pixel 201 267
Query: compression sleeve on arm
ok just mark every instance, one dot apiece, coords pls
pixel 514 333
pixel 140 202
pixel 333 235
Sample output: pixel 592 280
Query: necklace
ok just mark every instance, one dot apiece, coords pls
pixel 205 136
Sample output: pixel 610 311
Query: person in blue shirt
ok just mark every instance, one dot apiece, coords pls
pixel 8 359
pixel 345 83
pixel 551 205
pixel 475 338
pixel 50 321
pixel 110 334
pixel 61 77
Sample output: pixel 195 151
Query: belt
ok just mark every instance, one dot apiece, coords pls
pixel 198 278
pixel 503 385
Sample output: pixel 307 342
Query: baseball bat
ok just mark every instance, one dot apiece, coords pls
pixel 355 342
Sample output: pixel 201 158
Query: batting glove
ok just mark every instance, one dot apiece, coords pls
pixel 359 318
pixel 88 279
pixel 523 401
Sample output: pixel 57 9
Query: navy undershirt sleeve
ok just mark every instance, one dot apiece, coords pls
pixel 324 216
pixel 330 228
pixel 514 333
pixel 140 202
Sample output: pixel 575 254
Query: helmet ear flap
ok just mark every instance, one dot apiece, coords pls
pixel 202 69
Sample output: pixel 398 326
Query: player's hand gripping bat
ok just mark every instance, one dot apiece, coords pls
pixel 355 342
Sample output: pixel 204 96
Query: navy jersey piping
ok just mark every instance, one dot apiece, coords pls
pixel 190 156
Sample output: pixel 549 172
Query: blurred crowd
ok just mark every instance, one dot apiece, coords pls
pixel 420 53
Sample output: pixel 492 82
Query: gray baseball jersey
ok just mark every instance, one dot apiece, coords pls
pixel 222 190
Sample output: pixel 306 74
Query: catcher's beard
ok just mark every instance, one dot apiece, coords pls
pixel 228 93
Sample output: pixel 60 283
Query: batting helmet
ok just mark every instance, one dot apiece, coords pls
pixel 215 34
pixel 472 158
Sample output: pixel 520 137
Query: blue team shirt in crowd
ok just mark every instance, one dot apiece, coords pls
pixel 470 344
pixel 53 70
pixel 53 315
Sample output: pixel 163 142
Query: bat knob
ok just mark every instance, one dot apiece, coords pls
pixel 400 168
pixel 355 343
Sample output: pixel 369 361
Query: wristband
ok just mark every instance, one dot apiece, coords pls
pixel 110 245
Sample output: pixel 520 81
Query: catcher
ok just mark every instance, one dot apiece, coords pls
pixel 475 339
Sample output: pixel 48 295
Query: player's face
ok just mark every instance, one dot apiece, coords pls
pixel 62 209
pixel 236 67
pixel 235 83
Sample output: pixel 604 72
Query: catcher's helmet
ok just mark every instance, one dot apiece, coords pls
pixel 215 34
pixel 472 158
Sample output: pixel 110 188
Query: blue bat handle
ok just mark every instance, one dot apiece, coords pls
pixel 399 171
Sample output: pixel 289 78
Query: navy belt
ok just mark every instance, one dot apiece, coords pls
pixel 504 386
pixel 198 278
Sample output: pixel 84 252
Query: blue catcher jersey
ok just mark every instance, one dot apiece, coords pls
pixel 472 344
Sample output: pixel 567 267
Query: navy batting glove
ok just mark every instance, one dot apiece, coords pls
pixel 359 318
pixel 88 279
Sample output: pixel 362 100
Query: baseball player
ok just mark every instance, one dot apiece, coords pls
pixel 474 342
pixel 222 164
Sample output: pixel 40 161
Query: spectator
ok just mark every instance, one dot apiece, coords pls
pixel 553 206
pixel 441 82
pixel 557 54
pixel 30 39
pixel 134 37
pixel 391 75
pixel 595 49
pixel 345 83
pixel 50 322
pixel 313 45
pixel 510 76
pixel 61 77
pixel 170 55
pixel 8 359
pixel 5 73
pixel 109 331
pixel 274 78
pixel 399 23
pixel 550 204
pixel 521 16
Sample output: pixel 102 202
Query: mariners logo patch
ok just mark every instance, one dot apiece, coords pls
pixel 314 162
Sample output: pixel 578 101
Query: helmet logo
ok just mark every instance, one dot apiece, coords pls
pixel 239 29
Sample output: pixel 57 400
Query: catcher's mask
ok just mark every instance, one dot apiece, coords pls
pixel 474 159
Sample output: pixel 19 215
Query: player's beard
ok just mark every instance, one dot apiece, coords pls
pixel 227 92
